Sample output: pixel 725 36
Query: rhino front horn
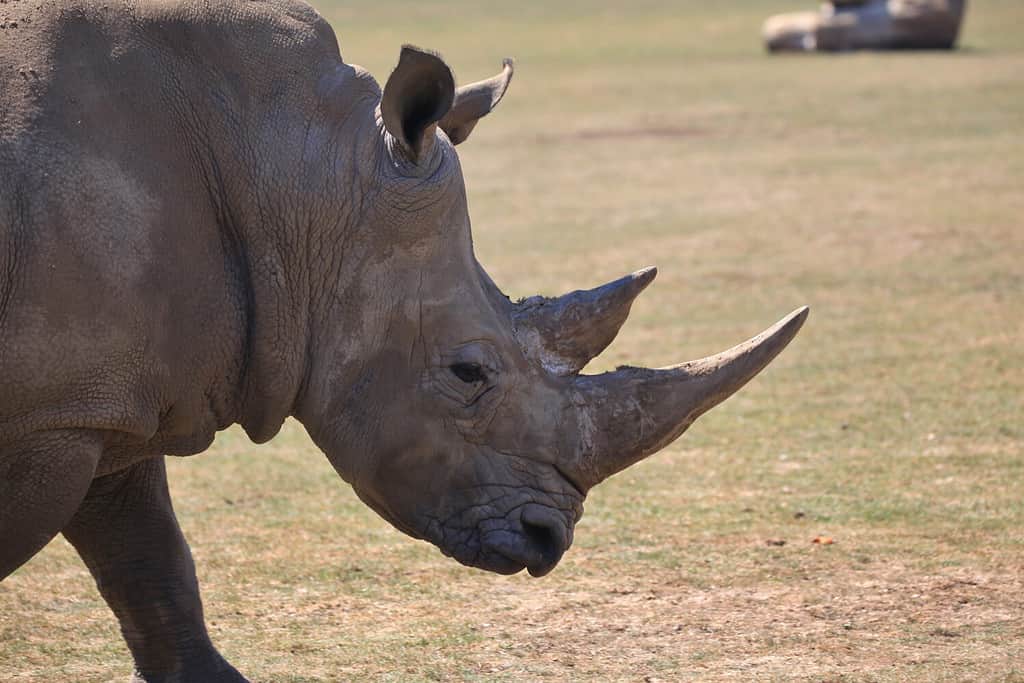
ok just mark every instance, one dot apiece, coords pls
pixel 630 413
pixel 566 332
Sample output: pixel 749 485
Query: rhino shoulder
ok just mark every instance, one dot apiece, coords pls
pixel 266 26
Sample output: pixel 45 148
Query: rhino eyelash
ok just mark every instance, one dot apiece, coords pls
pixel 470 373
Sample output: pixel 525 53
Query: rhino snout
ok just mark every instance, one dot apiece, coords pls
pixel 538 544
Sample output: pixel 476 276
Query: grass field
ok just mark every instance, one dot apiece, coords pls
pixel 884 190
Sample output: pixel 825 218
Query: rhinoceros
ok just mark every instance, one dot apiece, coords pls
pixel 208 218
pixel 867 25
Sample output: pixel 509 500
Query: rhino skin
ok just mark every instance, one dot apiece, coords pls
pixel 208 218
pixel 844 25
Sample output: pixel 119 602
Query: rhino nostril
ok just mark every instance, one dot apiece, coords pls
pixel 544 540
pixel 545 535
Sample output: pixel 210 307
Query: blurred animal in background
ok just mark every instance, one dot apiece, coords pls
pixel 867 25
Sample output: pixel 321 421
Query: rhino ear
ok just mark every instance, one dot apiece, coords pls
pixel 475 101
pixel 419 92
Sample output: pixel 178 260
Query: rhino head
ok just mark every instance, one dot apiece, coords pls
pixel 460 416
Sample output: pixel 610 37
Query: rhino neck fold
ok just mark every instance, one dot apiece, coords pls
pixel 271 294
pixel 280 220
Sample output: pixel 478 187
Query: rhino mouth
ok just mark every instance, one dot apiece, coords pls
pixel 538 545
pixel 532 536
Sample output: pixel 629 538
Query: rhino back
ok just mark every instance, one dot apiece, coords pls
pixel 130 160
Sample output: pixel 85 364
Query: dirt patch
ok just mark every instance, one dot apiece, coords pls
pixel 894 623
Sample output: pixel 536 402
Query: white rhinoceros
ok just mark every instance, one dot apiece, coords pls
pixel 867 25
pixel 208 218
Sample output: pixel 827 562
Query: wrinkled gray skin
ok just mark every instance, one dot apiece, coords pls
pixel 206 217
pixel 844 25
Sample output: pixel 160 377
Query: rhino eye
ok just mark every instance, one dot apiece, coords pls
pixel 470 373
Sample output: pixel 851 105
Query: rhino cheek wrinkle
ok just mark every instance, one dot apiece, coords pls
pixel 208 218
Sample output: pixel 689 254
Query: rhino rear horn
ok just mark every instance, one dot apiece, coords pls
pixel 475 101
pixel 419 92
pixel 631 413
pixel 566 332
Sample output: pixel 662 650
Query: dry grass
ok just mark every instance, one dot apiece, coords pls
pixel 887 191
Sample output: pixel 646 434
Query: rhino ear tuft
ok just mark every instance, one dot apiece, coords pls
pixel 475 101
pixel 418 94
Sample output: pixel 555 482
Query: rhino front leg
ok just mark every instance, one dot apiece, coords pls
pixel 127 533
pixel 43 478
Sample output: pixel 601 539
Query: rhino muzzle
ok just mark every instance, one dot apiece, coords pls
pixel 620 417
pixel 538 544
